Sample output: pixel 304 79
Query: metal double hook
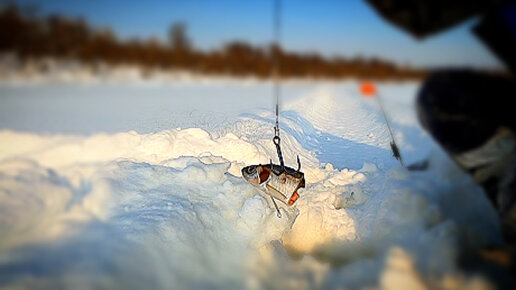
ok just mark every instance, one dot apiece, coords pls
pixel 277 142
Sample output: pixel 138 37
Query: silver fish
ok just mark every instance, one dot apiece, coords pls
pixel 277 183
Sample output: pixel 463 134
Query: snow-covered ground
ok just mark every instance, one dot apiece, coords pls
pixel 136 185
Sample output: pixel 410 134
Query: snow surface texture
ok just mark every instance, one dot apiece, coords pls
pixel 91 198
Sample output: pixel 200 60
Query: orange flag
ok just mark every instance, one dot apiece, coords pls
pixel 368 89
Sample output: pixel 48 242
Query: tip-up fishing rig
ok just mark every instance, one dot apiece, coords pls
pixel 369 90
pixel 278 181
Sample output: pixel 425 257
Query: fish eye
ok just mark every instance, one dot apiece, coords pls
pixel 251 169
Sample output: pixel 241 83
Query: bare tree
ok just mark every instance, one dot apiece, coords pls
pixel 178 38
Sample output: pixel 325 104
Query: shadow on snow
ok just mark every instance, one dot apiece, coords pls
pixel 340 152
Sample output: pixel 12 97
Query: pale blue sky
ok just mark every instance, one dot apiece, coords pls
pixel 331 27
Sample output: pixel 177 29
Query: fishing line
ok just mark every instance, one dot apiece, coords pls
pixel 276 76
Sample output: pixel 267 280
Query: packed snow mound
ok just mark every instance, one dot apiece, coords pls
pixel 169 209
pixel 180 210
pixel 179 222
pixel 187 203
pixel 356 120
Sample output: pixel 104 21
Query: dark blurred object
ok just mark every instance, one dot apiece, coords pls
pixel 471 114
pixel 424 17
pixel 498 31
pixel 462 108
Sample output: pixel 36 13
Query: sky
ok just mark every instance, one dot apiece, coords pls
pixel 346 28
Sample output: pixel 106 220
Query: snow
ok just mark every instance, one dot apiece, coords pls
pixel 104 185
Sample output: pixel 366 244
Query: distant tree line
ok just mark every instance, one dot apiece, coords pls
pixel 23 32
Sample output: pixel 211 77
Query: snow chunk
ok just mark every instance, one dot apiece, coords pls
pixel 345 177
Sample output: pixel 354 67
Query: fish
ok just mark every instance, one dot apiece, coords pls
pixel 281 183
